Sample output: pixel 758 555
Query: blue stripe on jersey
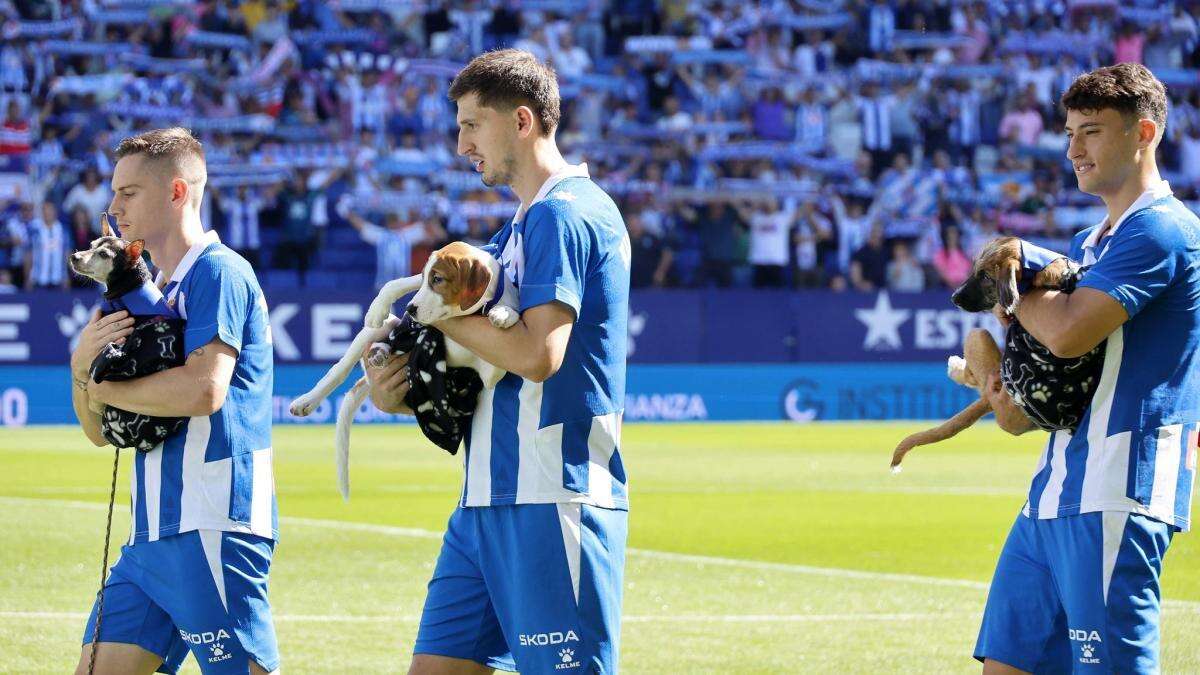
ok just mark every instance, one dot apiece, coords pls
pixel 1042 477
pixel 141 519
pixel 171 489
pixel 241 492
pixel 575 436
pixel 505 457
pixel 1072 488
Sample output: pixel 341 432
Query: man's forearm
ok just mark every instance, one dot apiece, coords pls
pixel 175 392
pixel 514 349
pixel 1043 313
pixel 89 420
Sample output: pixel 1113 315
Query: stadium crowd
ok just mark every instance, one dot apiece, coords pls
pixel 789 143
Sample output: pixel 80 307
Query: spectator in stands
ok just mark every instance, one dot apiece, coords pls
pixel 1022 124
pixel 719 231
pixel 6 282
pixel 303 209
pixel 568 58
pixel 1130 43
pixel 15 139
pixel 770 236
pixel 868 265
pixel 770 116
pixel 881 27
pixel 652 254
pixel 950 261
pixel 14 241
pixel 241 217
pixel 904 273
pixel 673 118
pixel 874 114
pixel 81 233
pixel 92 195
pixel 46 257
pixel 394 243
pixel 808 268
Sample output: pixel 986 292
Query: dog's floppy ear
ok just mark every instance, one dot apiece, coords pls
pixel 105 228
pixel 1006 285
pixel 475 276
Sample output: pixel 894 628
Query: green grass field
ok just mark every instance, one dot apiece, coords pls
pixel 753 548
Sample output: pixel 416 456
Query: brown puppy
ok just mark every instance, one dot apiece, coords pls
pixel 981 358
pixel 993 284
pixel 996 275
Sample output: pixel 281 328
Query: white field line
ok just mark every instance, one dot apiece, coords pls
pixel 698 560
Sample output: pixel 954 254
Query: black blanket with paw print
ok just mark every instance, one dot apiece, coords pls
pixel 442 398
pixel 1053 392
pixel 155 344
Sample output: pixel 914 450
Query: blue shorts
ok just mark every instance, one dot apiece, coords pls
pixel 1077 594
pixel 203 590
pixel 529 587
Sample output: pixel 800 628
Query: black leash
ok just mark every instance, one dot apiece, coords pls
pixel 112 497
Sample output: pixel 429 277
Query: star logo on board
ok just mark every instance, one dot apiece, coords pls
pixel 883 324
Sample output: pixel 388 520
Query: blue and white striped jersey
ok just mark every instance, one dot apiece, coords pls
pixel 559 440
pixel 216 472
pixel 1135 449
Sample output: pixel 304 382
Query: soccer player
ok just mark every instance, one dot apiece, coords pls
pixel 530 572
pixel 194 572
pixel 1077 583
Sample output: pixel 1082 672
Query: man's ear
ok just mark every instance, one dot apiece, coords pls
pixel 179 190
pixel 1147 131
pixel 134 250
pixel 524 120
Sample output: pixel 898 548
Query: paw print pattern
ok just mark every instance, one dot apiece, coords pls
pixel 154 345
pixel 1054 393
pixel 566 655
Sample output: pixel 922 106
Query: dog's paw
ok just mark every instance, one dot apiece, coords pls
pixel 303 406
pixel 956 369
pixel 377 313
pixel 378 355
pixel 503 317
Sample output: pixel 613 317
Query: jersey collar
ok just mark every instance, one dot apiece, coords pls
pixel 569 171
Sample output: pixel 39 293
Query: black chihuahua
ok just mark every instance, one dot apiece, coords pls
pixel 155 344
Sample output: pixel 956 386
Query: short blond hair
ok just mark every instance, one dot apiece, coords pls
pixel 176 149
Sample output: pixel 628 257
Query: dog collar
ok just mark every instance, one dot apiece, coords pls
pixel 146 300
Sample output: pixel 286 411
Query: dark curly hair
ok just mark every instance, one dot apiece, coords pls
pixel 1129 88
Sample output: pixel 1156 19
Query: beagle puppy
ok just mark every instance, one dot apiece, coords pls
pixel 458 280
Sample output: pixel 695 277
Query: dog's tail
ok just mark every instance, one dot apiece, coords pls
pixel 948 429
pixel 350 404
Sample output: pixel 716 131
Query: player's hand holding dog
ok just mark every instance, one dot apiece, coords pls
pixel 389 383
pixel 98 332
